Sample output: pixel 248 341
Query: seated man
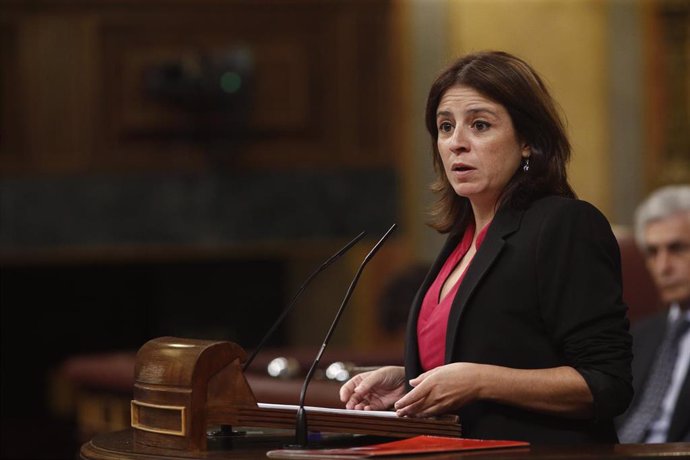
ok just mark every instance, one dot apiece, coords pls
pixel 660 411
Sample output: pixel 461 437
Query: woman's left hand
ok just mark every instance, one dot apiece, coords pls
pixel 441 390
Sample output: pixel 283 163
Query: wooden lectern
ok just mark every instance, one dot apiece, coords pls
pixel 183 386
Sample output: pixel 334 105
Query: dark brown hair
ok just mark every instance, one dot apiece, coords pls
pixel 511 82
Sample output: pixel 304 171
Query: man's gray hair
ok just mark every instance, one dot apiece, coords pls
pixel 662 203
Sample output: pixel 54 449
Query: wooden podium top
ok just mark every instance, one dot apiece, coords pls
pixel 182 386
pixel 254 445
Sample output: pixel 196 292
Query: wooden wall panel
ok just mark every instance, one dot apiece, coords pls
pixel 10 112
pixel 280 96
pixel 667 92
pixel 320 87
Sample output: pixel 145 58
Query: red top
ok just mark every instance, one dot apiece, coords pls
pixel 433 316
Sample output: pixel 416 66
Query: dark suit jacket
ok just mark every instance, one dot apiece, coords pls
pixel 647 337
pixel 544 290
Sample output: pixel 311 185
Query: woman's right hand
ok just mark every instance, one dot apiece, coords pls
pixel 374 390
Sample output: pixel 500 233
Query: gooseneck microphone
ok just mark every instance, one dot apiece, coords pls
pixel 301 422
pixel 288 309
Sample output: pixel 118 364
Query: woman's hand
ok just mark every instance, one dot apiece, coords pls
pixel 559 390
pixel 441 390
pixel 374 390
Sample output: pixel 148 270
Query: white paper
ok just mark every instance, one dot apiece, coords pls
pixel 329 410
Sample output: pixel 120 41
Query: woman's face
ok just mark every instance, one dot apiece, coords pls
pixel 477 143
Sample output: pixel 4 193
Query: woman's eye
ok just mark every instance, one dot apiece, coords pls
pixel 445 127
pixel 481 125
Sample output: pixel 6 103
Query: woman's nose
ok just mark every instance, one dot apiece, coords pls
pixel 459 141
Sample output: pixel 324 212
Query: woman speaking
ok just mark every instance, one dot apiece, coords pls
pixel 519 327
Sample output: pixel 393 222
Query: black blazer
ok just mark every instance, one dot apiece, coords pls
pixel 544 290
pixel 647 337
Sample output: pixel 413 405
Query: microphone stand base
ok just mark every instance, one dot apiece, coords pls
pixel 225 431
pixel 301 431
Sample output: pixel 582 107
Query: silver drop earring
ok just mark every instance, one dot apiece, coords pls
pixel 525 166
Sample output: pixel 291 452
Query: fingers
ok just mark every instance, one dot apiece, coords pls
pixel 362 401
pixel 357 402
pixel 371 402
pixel 420 411
pixel 421 377
pixel 355 393
pixel 437 391
pixel 364 405
pixel 422 400
pixel 421 405
pixel 347 389
pixel 412 402
pixel 375 390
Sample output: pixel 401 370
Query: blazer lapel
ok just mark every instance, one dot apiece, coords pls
pixel 505 222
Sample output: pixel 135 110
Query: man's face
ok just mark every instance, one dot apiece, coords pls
pixel 667 252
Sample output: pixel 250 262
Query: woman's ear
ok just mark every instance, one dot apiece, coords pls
pixel 526 151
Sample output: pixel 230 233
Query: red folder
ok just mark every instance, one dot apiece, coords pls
pixel 423 444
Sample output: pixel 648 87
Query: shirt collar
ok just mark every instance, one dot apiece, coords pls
pixel 675 311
